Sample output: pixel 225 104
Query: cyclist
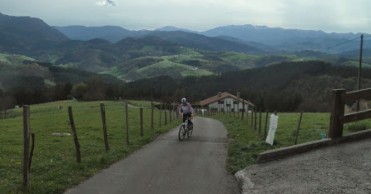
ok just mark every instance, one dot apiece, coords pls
pixel 185 110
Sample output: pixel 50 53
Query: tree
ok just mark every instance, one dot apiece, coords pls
pixel 6 102
pixel 96 89
pixel 79 90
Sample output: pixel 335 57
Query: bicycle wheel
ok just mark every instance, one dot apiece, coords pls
pixel 182 132
pixel 190 130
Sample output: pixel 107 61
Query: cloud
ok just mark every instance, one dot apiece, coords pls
pixel 105 3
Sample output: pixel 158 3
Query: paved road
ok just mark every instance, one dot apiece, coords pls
pixel 194 166
pixel 344 168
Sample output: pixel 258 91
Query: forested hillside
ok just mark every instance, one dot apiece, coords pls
pixel 24 80
pixel 289 86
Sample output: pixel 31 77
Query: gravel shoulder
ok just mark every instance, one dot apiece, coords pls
pixel 344 168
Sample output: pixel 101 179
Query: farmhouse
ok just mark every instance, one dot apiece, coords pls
pixel 226 102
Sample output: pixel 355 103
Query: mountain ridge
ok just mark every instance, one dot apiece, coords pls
pixel 160 48
pixel 274 37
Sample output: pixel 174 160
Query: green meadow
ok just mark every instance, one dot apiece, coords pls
pixel 54 167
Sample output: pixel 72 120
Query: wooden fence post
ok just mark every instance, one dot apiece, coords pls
pixel 336 125
pixel 260 120
pixel 243 110
pixel 75 139
pixel 26 145
pixel 175 112
pixel 297 130
pixel 141 121
pixel 255 119
pixel 247 116
pixel 165 112
pixel 234 109
pixel 32 149
pixel 160 115
pixel 127 123
pixel 104 123
pixel 4 112
pixel 170 114
pixel 252 117
pixel 152 115
pixel 266 124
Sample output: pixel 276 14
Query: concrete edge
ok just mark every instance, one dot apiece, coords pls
pixel 279 153
pixel 244 182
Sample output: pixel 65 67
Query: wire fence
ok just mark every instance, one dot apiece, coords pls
pixel 126 129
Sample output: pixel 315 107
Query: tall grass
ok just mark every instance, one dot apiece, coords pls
pixel 54 166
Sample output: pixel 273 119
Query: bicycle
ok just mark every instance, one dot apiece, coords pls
pixel 185 129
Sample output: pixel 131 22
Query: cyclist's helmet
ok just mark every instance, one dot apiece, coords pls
pixel 183 100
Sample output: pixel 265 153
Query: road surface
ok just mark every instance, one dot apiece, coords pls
pixel 194 166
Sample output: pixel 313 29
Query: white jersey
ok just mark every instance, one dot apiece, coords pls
pixel 185 108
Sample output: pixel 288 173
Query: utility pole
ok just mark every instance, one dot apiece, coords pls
pixel 360 69
pixel 360 64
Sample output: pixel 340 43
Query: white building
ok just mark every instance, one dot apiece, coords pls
pixel 226 102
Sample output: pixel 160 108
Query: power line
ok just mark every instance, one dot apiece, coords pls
pixel 342 43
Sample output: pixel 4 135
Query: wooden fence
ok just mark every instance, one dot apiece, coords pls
pixel 28 152
pixel 338 116
pixel 254 118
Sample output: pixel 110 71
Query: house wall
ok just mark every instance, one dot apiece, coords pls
pixel 228 105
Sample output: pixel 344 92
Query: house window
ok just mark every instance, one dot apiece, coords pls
pixel 221 102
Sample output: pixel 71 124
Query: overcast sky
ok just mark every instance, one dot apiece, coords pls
pixel 327 15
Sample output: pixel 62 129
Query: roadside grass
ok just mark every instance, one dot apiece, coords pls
pixel 54 167
pixel 246 143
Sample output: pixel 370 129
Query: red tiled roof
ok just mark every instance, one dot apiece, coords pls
pixel 221 96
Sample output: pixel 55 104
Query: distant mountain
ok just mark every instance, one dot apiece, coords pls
pixel 289 39
pixel 202 42
pixel 177 35
pixel 132 55
pixel 260 46
pixel 262 38
pixel 261 34
pixel 22 34
pixel 110 33
pixel 172 28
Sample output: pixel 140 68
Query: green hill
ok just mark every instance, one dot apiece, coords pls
pixel 24 80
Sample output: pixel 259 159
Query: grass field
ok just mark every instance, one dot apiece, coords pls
pixel 54 167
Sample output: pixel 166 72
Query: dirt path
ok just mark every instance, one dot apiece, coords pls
pixel 196 165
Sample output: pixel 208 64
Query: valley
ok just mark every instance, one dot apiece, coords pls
pixel 71 62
